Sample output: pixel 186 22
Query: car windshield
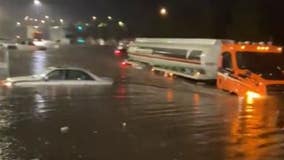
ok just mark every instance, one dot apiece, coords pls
pixel 44 73
pixel 268 65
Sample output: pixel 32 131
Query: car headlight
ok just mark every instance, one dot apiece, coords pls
pixel 251 96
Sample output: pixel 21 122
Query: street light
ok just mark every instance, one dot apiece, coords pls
pixel 109 18
pixel 46 17
pixel 18 24
pixel 121 24
pixel 163 11
pixel 61 21
pixel 101 25
pixel 37 2
pixel 94 18
pixel 26 18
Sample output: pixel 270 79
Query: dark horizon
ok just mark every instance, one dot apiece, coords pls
pixel 254 20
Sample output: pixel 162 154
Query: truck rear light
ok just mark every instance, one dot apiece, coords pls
pixel 124 63
pixel 117 52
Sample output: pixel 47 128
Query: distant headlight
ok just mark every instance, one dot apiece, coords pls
pixel 8 84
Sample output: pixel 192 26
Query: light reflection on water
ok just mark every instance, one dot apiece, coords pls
pixel 255 132
pixel 7 142
pixel 196 99
pixel 39 60
pixel 170 95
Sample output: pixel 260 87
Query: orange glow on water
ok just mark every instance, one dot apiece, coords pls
pixel 170 95
pixel 248 127
pixel 249 100
pixel 196 99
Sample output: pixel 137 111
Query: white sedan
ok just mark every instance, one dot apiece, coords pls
pixel 58 77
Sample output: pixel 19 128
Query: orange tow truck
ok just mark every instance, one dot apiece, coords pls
pixel 251 70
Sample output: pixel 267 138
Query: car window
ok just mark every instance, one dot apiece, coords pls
pixel 77 75
pixel 195 55
pixel 30 43
pixel 227 61
pixel 56 75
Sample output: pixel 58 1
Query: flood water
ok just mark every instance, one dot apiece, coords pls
pixel 142 116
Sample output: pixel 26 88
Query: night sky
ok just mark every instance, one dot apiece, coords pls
pixel 234 19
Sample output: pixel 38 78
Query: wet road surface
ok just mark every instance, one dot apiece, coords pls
pixel 142 116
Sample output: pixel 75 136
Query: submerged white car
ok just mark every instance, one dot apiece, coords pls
pixel 59 77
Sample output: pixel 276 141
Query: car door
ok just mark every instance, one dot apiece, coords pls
pixel 78 77
pixel 226 71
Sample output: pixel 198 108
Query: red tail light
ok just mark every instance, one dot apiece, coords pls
pixel 117 52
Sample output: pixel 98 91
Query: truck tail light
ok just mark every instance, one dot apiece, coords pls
pixel 117 52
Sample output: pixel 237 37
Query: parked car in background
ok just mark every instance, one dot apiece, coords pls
pixel 121 49
pixel 45 44
pixel 9 44
pixel 26 45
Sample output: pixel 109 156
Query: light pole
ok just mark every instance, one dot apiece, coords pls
pixel 37 4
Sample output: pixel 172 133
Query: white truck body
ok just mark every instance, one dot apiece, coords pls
pixel 192 58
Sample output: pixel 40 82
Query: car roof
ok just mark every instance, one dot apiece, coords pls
pixel 69 68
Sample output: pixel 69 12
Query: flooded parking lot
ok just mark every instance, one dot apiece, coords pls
pixel 143 115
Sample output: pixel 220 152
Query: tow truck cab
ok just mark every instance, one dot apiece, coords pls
pixel 253 70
